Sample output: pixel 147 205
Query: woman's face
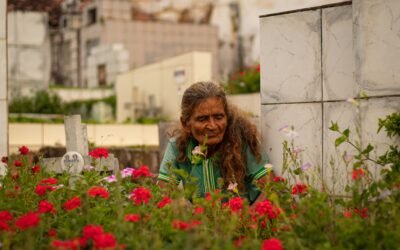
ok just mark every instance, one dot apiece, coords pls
pixel 208 120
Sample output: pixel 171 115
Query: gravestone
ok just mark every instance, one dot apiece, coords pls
pixel 77 155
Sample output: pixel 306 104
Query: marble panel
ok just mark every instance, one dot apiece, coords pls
pixel 291 57
pixel 3 70
pixel 371 111
pixel 377 46
pixel 338 160
pixel 276 6
pixel 3 128
pixel 306 119
pixel 2 19
pixel 27 28
pixel 338 54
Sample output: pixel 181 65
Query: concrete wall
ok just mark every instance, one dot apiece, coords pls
pixel 164 82
pixel 249 103
pixel 3 81
pixel 69 95
pixel 36 136
pixel 28 52
pixel 312 61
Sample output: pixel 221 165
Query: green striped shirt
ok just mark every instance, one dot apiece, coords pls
pixel 207 172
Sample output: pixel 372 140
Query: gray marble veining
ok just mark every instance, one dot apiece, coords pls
pixel 276 122
pixel 291 57
pixel 377 46
pixel 338 54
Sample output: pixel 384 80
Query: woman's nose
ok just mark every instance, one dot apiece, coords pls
pixel 211 124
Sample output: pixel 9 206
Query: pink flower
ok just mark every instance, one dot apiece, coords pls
pixel 141 195
pixel 132 217
pixel 98 192
pixel 272 244
pixel 236 204
pixel 127 172
pixel 71 204
pixel 23 150
pixel 99 153
pixel 299 188
pixel 143 171
pixel 165 201
pixel 110 179
pixel 28 220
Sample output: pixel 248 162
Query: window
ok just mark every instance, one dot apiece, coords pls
pixel 91 16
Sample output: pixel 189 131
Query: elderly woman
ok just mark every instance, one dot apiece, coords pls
pixel 232 153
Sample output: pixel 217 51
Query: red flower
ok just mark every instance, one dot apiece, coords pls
pixel 266 208
pixel 15 176
pixel 258 68
pixel 98 191
pixel 48 181
pixel 99 153
pixel 23 150
pixel 143 171
pixel 4 159
pixel 183 226
pixel 52 233
pixel 5 216
pixel 4 226
pixel 35 169
pixel 132 217
pixel 357 174
pixel 42 189
pixel 242 73
pixel 347 214
pixel 165 201
pixel 46 207
pixel 77 243
pixel 278 179
pixel 27 220
pixel 73 203
pixel 141 195
pixel 180 225
pixel 363 213
pixel 18 163
pixel 236 204
pixel 239 241
pixel 104 241
pixel 198 210
pixel 299 188
pixel 272 244
pixel 90 231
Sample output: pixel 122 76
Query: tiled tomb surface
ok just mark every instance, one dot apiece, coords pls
pixel 291 57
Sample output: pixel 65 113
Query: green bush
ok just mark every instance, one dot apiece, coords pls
pixel 245 81
pixel 41 103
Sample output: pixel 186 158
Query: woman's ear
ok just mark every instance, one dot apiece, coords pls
pixel 185 126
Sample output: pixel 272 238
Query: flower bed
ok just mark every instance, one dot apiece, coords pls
pixel 94 210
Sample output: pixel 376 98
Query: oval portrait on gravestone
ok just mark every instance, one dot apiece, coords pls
pixel 72 162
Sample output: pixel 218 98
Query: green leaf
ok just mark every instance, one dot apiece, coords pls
pixel 368 149
pixel 346 133
pixel 334 126
pixel 340 140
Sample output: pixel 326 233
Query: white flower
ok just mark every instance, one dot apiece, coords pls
pixel 348 158
pixel 268 167
pixel 388 167
pixel 88 167
pixel 289 132
pixel 197 151
pixel 233 187
pixel 127 172
pixel 352 101
pixel 306 166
